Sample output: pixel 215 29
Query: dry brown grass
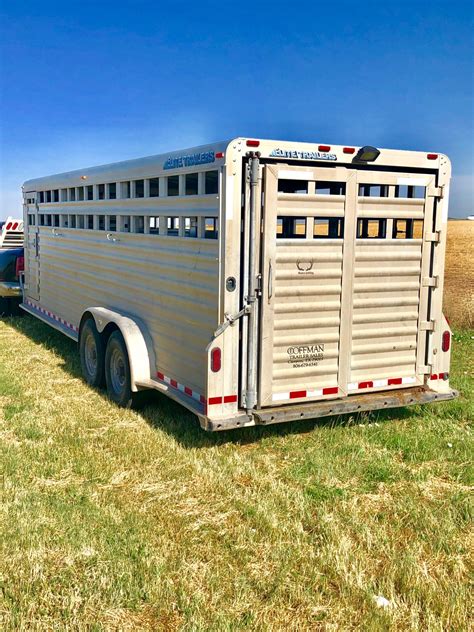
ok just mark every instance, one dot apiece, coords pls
pixel 458 304
pixel 129 520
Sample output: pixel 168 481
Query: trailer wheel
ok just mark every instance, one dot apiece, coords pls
pixel 4 307
pixel 91 348
pixel 117 371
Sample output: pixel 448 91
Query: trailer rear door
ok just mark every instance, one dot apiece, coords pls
pixel 345 279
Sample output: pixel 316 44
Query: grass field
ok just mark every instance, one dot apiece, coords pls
pixel 138 520
pixel 459 278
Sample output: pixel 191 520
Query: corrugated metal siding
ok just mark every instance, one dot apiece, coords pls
pixel 307 312
pixel 170 283
pixel 385 309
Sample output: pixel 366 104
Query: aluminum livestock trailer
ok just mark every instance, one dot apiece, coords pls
pixel 253 281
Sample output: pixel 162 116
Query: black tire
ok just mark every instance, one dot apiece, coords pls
pixel 15 307
pixel 91 349
pixel 117 371
pixel 4 307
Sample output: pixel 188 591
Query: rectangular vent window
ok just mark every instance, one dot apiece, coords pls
pixel 154 187
pixel 211 182
pixel 291 227
pixel 328 228
pixel 371 228
pixel 191 181
pixel 292 186
pixel 373 190
pixel 410 192
pixel 330 188
pixel 407 229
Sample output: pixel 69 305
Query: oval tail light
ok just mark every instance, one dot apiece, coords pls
pixel 446 341
pixel 19 265
pixel 216 360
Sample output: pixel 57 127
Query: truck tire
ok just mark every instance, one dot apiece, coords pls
pixel 91 348
pixel 117 371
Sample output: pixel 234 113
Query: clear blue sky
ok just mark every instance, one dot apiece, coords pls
pixel 84 83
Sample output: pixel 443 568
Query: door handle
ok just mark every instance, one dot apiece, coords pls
pixel 270 281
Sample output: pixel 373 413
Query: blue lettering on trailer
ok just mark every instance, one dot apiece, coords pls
pixel 203 158
pixel 302 155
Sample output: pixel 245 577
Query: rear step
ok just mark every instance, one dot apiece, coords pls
pixel 351 404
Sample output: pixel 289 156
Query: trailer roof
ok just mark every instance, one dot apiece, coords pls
pixel 125 169
pixel 150 166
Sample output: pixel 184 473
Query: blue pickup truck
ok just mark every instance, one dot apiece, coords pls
pixel 11 265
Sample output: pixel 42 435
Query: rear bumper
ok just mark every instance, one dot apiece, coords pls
pixel 10 289
pixel 314 410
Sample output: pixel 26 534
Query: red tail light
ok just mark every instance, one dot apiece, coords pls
pixel 19 265
pixel 8 226
pixel 446 341
pixel 432 156
pixel 324 147
pixel 216 360
pixel 348 150
pixel 253 143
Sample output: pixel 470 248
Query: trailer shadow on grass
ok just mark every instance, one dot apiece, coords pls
pixel 168 416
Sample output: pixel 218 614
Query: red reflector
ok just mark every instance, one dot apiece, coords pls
pixel 216 359
pixel 19 265
pixel 348 150
pixel 432 156
pixel 8 226
pixel 296 394
pixel 15 226
pixel 220 154
pixel 394 380
pixel 366 384
pixel 188 391
pixel 434 377
pixel 174 383
pixel 324 147
pixel 331 390
pixel 214 400
pixel 253 143
pixel 230 399
pixel 160 376
pixel 446 341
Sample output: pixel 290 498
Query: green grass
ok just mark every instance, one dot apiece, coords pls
pixel 138 520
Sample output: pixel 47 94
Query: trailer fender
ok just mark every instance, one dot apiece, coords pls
pixel 137 341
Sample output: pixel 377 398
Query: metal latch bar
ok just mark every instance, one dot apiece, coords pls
pixel 230 320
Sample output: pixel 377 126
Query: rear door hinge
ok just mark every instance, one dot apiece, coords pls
pixel 424 369
pixel 437 192
pixel 434 237
pixel 427 325
pixel 430 281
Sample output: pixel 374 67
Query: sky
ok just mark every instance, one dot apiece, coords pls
pixel 86 83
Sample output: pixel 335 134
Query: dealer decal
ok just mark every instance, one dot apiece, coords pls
pixel 305 355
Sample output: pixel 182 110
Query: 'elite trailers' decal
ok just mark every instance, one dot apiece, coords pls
pixel 202 158
pixel 302 155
